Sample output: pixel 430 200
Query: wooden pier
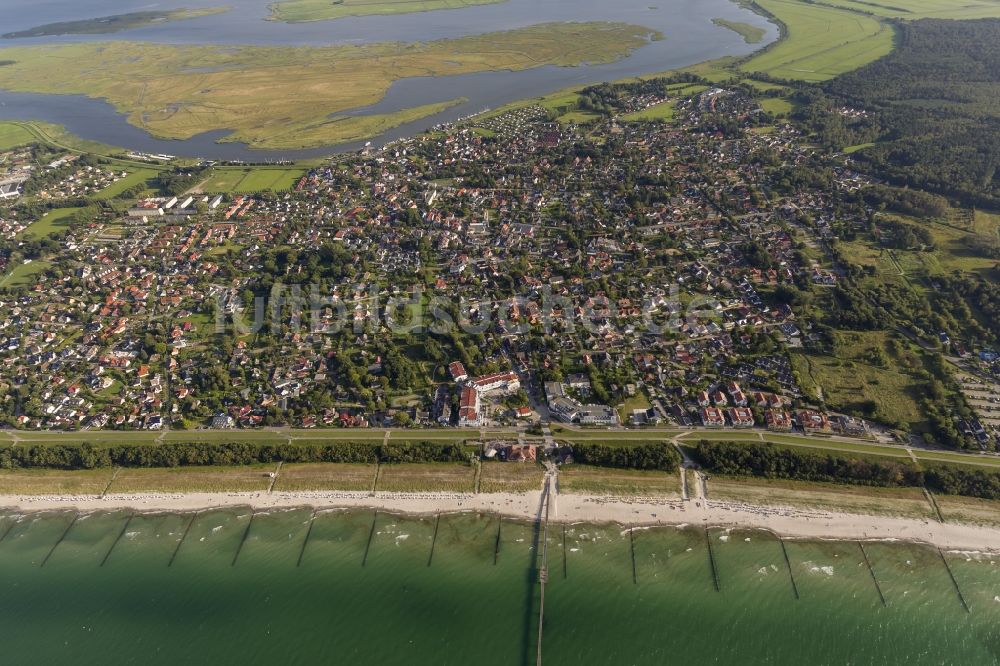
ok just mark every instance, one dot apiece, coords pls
pixel 543 571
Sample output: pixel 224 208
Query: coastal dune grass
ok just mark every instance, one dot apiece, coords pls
pixel 54 481
pixel 904 502
pixel 500 477
pixel 247 478
pixel 584 480
pixel 325 476
pixel 426 477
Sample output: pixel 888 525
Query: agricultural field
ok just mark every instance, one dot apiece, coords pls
pixel 324 476
pixel 246 89
pixel 821 42
pixel 250 180
pixel 426 477
pixel 585 480
pixel 300 11
pixel 912 10
pixel 54 481
pixel 500 477
pixel 908 502
pixel 249 478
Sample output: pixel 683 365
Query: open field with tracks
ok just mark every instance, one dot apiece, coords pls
pixel 820 42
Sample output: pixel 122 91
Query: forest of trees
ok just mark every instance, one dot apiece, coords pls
pixel 88 456
pixel 774 462
pixel 658 455
pixel 935 116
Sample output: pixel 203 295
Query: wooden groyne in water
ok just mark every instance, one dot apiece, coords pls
pixel 496 546
pixel 65 532
pixel 371 534
pixel 631 548
pixel 118 538
pixel 183 536
pixel 878 588
pixel 711 561
pixel 246 533
pixel 13 523
pixel 437 523
pixel 309 531
pixel 788 563
pixel 947 567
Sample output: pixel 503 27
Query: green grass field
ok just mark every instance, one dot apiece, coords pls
pixel 52 222
pixel 776 106
pixel 12 135
pixel 24 274
pixel 251 180
pixel 663 112
pixel 917 9
pixel 136 177
pixel 298 11
pixel 821 42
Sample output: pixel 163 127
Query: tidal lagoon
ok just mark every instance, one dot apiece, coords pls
pixel 689 37
pixel 299 586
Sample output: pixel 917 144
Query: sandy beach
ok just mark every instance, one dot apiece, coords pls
pixel 627 511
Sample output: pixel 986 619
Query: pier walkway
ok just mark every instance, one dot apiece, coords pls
pixel 543 570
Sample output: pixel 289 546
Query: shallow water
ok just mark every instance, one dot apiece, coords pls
pixel 689 37
pixel 360 587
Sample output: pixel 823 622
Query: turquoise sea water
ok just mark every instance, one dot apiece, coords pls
pixel 365 588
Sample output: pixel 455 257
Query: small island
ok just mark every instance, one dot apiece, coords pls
pixel 302 11
pixel 108 24
pixel 751 34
